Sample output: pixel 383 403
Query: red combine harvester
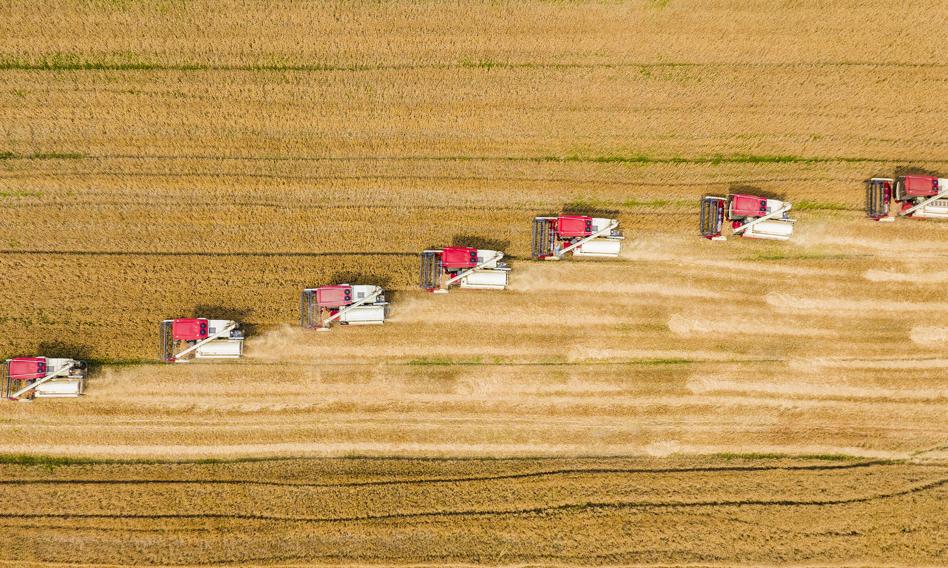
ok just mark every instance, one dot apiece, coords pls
pixel 349 304
pixel 749 215
pixel 25 378
pixel 581 235
pixel 465 266
pixel 200 338
pixel 918 196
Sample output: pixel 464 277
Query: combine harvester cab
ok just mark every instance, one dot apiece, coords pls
pixel 464 266
pixel 749 215
pixel 348 304
pixel 923 197
pixel 554 237
pixel 25 378
pixel 184 339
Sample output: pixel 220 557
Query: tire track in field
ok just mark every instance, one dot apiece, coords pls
pixel 464 479
pixel 92 65
pixel 543 159
pixel 196 253
pixel 562 508
pixel 417 177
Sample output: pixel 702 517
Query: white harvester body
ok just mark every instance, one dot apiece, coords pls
pixel 25 378
pixel 581 235
pixel 465 267
pixel 749 216
pixel 918 196
pixel 184 339
pixel 348 304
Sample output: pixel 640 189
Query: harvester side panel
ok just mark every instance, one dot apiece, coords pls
pixel 430 270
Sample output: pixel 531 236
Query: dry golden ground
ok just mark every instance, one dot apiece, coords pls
pixel 722 510
pixel 163 159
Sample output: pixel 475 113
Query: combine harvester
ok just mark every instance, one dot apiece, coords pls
pixel 349 304
pixel 184 339
pixel 750 216
pixel 25 378
pixel 919 196
pixel 581 235
pixel 465 266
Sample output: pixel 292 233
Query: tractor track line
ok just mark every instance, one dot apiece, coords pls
pixel 48 173
pixel 567 508
pixel 162 207
pixel 467 479
pixel 42 65
pixel 591 159
pixel 195 253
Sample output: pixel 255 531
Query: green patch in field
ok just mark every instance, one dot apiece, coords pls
pixel 662 362
pixel 809 205
pixel 712 160
pixel 444 361
pixel 728 456
pixel 19 193
pixel 630 203
pixel 48 463
pixel 778 255
pixel 6 155
pixel 482 63
pixel 65 61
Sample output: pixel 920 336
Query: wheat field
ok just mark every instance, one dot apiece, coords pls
pixel 689 403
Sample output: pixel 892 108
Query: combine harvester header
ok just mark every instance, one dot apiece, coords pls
pixel 554 237
pixel 750 216
pixel 919 196
pixel 25 378
pixel 465 266
pixel 200 338
pixel 349 304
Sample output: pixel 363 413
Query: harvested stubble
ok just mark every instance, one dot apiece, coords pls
pixel 721 510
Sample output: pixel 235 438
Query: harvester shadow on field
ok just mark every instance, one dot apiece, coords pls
pixel 478 242
pixel 913 171
pixel 486 243
pixel 584 208
pixel 58 349
pixel 239 315
pixel 747 189
pixel 354 277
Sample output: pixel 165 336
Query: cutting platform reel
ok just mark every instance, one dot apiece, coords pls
pixel 749 215
pixel 462 266
pixel 347 304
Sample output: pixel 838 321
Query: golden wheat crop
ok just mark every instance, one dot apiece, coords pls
pixel 610 511
pixel 163 159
